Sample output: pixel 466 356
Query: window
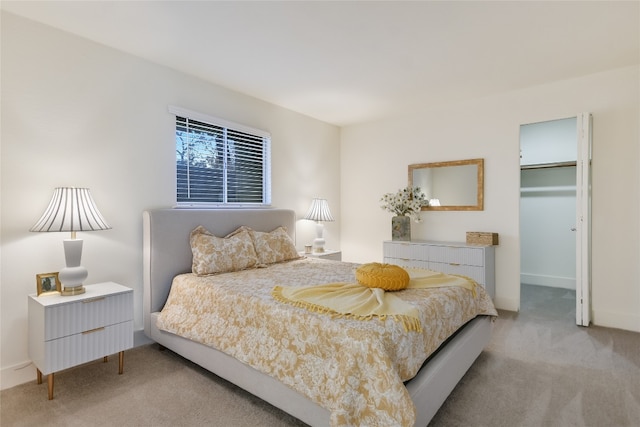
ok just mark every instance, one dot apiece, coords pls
pixel 219 162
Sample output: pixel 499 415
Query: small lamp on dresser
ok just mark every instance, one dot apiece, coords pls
pixel 72 209
pixel 319 212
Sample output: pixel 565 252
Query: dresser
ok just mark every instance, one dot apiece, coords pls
pixel 66 331
pixel 474 261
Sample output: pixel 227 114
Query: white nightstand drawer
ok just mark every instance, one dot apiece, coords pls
pixel 70 318
pixel 87 346
pixel 328 254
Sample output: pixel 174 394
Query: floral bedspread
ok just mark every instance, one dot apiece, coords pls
pixel 354 368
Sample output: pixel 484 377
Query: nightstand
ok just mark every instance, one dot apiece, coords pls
pixel 332 255
pixel 66 331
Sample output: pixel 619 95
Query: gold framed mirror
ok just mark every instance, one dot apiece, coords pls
pixel 450 186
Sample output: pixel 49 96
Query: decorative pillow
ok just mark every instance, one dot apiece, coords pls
pixel 275 246
pixel 272 247
pixel 386 276
pixel 213 254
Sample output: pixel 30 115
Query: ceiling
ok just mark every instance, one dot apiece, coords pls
pixel 348 62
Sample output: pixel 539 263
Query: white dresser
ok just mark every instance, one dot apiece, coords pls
pixel 474 261
pixel 66 331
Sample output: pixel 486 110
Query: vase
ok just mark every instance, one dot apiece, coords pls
pixel 401 228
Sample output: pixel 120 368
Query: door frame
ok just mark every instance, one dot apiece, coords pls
pixel 584 136
pixel 583 219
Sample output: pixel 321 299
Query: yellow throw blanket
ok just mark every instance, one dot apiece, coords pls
pixel 361 302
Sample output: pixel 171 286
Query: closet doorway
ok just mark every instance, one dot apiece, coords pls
pixel 555 218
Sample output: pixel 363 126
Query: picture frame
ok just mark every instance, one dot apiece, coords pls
pixel 48 284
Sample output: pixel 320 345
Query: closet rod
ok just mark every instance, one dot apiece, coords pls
pixel 550 189
pixel 549 165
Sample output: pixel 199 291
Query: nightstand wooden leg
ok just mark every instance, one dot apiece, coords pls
pixel 38 376
pixel 50 384
pixel 121 362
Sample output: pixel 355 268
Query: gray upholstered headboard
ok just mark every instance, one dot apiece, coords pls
pixel 166 249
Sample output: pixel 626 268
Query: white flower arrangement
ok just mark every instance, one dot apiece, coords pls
pixel 406 202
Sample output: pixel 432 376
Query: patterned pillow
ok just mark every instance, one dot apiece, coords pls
pixel 272 247
pixel 275 246
pixel 213 254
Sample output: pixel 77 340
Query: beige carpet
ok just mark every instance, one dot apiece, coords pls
pixel 539 370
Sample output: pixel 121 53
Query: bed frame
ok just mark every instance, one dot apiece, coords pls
pixel 166 253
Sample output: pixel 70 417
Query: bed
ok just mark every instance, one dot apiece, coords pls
pixel 167 254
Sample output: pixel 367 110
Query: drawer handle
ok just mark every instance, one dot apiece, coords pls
pixel 90 331
pixel 455 264
pixel 87 301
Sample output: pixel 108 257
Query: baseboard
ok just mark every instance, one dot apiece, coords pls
pixel 550 281
pixel 626 321
pixel 24 372
pixel 21 373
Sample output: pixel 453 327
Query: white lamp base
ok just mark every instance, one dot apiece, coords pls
pixel 73 274
pixel 318 242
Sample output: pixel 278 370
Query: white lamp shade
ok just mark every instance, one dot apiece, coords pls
pixel 319 211
pixel 71 209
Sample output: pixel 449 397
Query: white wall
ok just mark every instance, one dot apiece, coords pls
pixel 374 159
pixel 75 113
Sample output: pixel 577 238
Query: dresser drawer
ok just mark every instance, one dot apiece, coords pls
pixel 62 320
pixel 405 251
pixel 87 346
pixel 457 255
pixel 408 263
pixel 397 250
pixel 474 272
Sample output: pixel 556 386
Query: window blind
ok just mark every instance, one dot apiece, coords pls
pixel 219 163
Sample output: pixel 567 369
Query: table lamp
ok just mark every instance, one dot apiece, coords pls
pixel 71 209
pixel 318 212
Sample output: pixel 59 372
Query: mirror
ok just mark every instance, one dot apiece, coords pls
pixel 450 186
